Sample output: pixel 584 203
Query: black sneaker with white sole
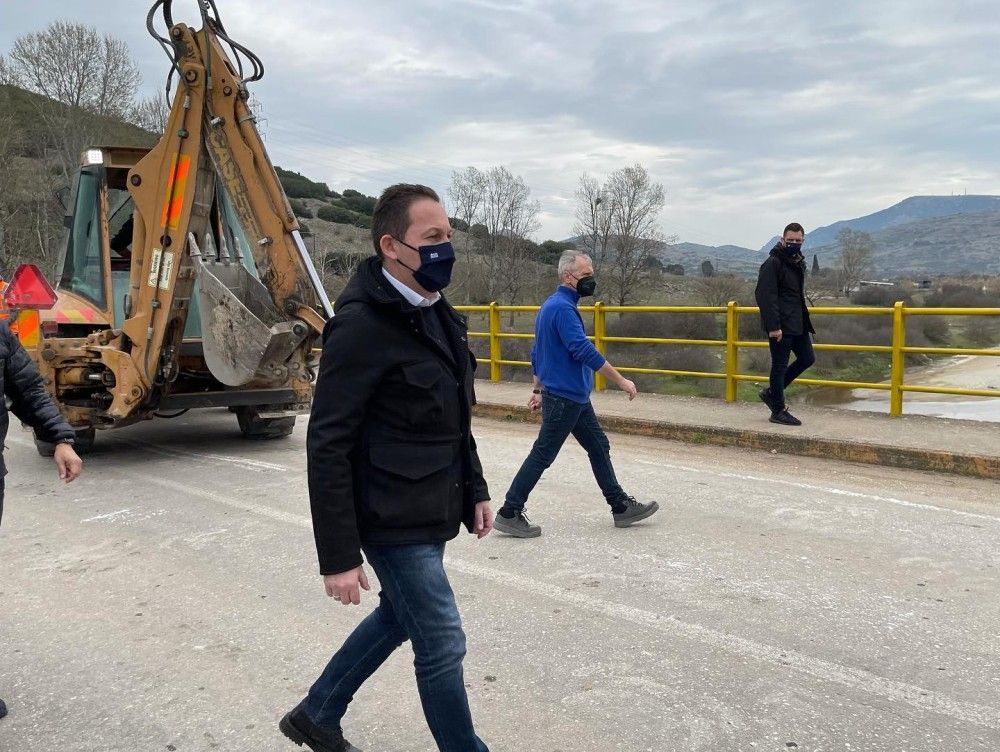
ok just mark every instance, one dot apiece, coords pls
pixel 519 525
pixel 634 511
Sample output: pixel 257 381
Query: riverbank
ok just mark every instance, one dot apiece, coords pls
pixel 963 372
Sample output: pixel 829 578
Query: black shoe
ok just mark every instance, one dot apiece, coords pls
pixel 3 709
pixel 765 397
pixel 634 511
pixel 785 418
pixel 297 727
pixel 519 526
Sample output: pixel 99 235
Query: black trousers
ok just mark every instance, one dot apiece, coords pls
pixel 783 374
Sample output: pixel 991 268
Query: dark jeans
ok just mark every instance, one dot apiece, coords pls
pixel 416 603
pixel 783 374
pixel 560 418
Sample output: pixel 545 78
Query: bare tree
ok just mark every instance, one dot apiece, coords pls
pixel 619 226
pixel 467 192
pixel 151 114
pixel 720 289
pixel 635 206
pixel 593 219
pixel 856 257
pixel 510 217
pixel 93 77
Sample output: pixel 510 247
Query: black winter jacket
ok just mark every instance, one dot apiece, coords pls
pixel 390 450
pixel 23 388
pixel 781 295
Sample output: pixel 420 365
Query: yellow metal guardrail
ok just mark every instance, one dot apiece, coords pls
pixel 897 349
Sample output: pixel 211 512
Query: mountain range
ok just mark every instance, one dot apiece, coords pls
pixel 907 211
pixel 929 235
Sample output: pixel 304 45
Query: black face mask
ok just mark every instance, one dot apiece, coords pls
pixel 585 286
pixel 793 249
pixel 436 262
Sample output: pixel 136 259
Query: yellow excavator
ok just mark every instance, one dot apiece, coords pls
pixel 184 282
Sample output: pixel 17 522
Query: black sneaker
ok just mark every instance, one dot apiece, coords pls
pixel 297 727
pixel 785 418
pixel 765 397
pixel 634 511
pixel 3 709
pixel 519 525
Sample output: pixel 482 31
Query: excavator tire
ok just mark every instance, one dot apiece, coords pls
pixel 255 427
pixel 83 444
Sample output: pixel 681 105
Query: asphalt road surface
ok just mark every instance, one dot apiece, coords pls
pixel 169 600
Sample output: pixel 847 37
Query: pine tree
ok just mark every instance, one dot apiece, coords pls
pixel 815 270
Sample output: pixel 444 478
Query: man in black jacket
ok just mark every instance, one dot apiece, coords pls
pixel 784 316
pixel 394 472
pixel 24 390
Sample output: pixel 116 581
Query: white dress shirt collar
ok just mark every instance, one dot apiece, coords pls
pixel 412 296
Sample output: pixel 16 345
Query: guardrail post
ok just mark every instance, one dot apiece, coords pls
pixel 599 343
pixel 495 357
pixel 898 359
pixel 732 360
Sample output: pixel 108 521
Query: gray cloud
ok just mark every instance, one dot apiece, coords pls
pixel 749 113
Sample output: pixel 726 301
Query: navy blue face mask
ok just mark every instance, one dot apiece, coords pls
pixel 436 262
pixel 793 248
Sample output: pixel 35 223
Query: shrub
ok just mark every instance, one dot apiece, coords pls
pixel 336 214
pixel 880 296
pixel 983 331
pixel 962 296
pixel 299 208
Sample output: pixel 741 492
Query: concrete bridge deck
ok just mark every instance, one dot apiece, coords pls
pixel 966 447
pixel 169 601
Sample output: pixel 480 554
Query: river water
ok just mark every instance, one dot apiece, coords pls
pixel 975 372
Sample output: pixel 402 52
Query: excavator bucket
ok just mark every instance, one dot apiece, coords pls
pixel 244 336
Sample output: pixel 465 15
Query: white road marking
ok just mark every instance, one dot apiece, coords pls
pixel 255 465
pixel 822 489
pixel 109 515
pixel 830 671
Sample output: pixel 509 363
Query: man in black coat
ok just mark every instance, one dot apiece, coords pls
pixel 394 472
pixel 24 391
pixel 784 316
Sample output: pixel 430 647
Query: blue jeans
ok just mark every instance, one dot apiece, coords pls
pixel 416 603
pixel 560 418
pixel 781 373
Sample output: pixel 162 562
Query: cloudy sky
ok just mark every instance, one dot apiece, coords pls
pixel 751 114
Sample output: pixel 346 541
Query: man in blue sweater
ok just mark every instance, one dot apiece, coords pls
pixel 564 361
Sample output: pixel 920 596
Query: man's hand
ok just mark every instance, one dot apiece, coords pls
pixel 346 586
pixel 535 402
pixel 629 388
pixel 484 518
pixel 68 462
pixel 775 335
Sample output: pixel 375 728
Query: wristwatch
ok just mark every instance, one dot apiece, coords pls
pixel 71 442
pixel 536 391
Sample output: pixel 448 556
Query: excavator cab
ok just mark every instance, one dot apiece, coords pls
pixel 184 282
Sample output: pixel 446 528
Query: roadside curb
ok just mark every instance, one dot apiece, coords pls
pixel 933 460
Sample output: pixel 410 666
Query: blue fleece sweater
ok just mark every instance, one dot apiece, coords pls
pixel 563 358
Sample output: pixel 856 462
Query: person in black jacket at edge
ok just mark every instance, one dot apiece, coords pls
pixel 24 391
pixel 393 471
pixel 784 316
